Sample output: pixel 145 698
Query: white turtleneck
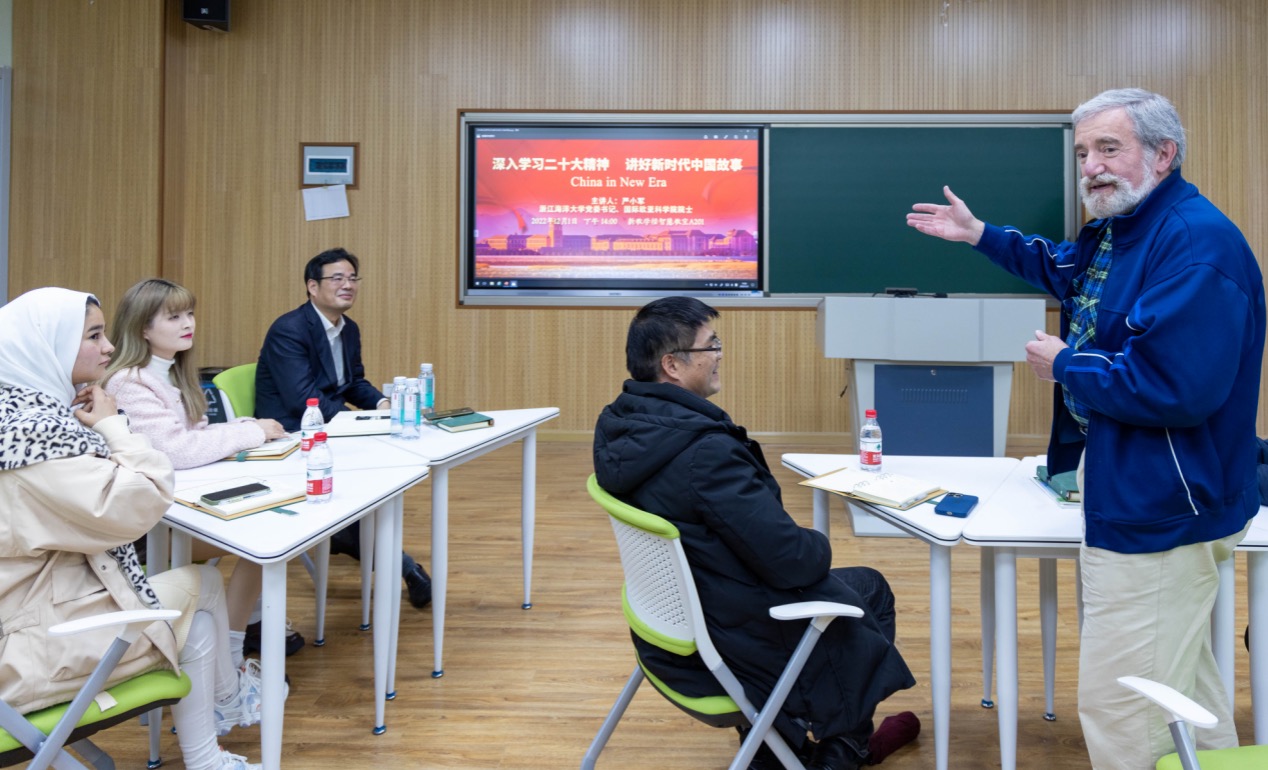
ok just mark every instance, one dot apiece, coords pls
pixel 161 368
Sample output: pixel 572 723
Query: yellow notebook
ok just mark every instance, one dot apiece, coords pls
pixel 277 449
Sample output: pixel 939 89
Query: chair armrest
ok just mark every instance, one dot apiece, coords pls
pixel 133 621
pixel 805 610
pixel 1181 708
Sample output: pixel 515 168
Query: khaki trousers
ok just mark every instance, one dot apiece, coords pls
pixel 1148 615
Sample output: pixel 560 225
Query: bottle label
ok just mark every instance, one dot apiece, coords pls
pixel 870 454
pixel 320 482
pixel 306 440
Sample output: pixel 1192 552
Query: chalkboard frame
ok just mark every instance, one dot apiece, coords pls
pixel 771 122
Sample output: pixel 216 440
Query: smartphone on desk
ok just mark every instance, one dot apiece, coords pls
pixel 234 494
pixel 447 413
pixel 955 504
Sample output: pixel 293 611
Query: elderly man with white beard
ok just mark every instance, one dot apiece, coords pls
pixel 1157 369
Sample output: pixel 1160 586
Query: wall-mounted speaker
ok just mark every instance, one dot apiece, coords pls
pixel 207 14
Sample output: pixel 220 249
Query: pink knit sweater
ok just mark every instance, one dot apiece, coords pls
pixel 155 410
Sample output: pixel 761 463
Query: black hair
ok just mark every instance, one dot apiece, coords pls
pixel 312 271
pixel 663 326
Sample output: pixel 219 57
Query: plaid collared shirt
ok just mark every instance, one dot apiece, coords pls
pixel 1088 289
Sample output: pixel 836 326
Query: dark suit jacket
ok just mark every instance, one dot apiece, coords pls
pixel 296 365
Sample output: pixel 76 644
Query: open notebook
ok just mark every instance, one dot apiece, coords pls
pixel 279 494
pixel 891 490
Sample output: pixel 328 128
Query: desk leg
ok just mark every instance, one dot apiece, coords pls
pixel 367 566
pixel 439 561
pixel 157 551
pixel 528 512
pixel 940 649
pixel 396 506
pixel 1257 589
pixel 273 662
pixel 822 509
pixel 1048 626
pixel 182 548
pixel 385 584
pixel 321 581
pixel 1222 628
pixel 986 580
pixel 1006 654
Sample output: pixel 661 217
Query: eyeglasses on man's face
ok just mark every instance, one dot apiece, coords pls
pixel 716 347
pixel 339 279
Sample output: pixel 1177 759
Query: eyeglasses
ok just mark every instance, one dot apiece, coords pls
pixel 340 278
pixel 716 347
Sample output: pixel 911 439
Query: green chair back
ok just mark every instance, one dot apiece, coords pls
pixel 238 384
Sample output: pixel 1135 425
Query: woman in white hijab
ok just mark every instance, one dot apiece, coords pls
pixel 78 487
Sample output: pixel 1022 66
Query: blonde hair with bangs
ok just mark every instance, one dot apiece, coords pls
pixel 136 311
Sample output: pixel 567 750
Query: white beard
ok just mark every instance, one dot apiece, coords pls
pixel 1123 200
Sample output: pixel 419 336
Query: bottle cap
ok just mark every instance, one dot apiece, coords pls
pixel 313 402
pixel 399 378
pixel 319 437
pixel 425 367
pixel 870 413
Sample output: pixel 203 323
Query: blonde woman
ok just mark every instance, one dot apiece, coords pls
pixel 154 380
pixel 59 537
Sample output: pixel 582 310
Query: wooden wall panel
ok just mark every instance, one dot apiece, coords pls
pixel 86 208
pixel 392 75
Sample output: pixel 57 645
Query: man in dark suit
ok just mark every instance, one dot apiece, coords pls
pixel 314 351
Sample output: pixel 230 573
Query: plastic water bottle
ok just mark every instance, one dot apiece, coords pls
pixel 321 470
pixel 310 424
pixel 398 400
pixel 410 411
pixel 870 443
pixel 426 389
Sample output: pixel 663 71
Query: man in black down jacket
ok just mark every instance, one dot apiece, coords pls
pixel 664 448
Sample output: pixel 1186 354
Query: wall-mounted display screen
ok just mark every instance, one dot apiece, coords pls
pixel 621 210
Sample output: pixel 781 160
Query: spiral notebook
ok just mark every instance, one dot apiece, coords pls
pixel 891 490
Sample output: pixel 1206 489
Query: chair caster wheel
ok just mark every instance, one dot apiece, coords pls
pixel 1049 716
pixel 437 674
pixel 987 703
pixel 379 730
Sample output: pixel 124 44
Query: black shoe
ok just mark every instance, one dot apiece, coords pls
pixel 833 754
pixel 251 643
pixel 419 585
pixel 765 758
pixel 347 541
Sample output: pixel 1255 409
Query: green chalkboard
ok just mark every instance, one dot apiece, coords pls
pixel 839 195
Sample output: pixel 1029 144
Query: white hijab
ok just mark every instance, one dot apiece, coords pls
pixel 40 336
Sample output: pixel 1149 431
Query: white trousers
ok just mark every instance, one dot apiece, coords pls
pixel 204 657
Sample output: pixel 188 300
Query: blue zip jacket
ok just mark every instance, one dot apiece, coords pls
pixel 1172 377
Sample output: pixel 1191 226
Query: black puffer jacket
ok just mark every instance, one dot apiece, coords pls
pixel 665 450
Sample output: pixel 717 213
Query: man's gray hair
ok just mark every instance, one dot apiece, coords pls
pixel 1154 119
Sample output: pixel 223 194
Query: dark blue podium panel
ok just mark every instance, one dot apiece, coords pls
pixel 936 410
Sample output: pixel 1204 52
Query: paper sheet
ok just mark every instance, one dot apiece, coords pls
pixel 325 202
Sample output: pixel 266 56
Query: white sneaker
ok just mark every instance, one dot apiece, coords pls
pixel 243 710
pixel 235 762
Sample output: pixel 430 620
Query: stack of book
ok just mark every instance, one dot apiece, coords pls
pixel 1062 487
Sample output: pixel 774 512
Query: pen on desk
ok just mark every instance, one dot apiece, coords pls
pixel 373 417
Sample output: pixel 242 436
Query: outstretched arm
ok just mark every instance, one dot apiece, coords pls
pixel 951 223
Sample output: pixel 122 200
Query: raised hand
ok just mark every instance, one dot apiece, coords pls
pixel 952 223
